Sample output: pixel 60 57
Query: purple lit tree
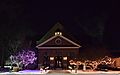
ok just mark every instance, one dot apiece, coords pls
pixel 25 57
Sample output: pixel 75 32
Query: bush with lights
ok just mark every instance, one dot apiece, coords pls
pixel 24 58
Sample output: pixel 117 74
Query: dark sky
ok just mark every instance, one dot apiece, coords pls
pixel 86 20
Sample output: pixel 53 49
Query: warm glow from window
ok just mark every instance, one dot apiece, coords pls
pixel 58 33
pixel 64 58
pixel 51 58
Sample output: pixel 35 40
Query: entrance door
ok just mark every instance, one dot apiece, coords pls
pixel 58 62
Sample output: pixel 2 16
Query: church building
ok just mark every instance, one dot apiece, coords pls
pixel 55 49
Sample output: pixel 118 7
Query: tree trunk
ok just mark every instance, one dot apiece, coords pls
pixel 2 59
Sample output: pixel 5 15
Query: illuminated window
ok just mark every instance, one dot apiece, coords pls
pixel 58 33
pixel 51 58
pixel 64 58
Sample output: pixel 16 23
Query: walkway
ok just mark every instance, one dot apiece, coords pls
pixel 58 72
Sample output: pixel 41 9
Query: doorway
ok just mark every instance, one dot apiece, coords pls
pixel 58 62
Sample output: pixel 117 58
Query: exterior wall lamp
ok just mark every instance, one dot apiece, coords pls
pixel 51 58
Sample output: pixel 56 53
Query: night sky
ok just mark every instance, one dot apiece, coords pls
pixel 88 21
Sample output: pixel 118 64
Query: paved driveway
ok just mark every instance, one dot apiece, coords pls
pixel 58 72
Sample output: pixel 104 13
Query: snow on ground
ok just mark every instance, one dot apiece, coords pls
pixel 95 72
pixel 79 72
pixel 32 72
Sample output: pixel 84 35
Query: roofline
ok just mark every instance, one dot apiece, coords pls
pixel 55 37
pixel 47 40
pixel 70 41
pixel 57 47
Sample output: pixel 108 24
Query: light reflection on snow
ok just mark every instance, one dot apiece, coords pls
pixel 27 72
pixel 79 72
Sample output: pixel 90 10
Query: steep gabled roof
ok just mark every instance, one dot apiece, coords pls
pixel 57 27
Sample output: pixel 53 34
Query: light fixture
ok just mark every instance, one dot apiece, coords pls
pixel 51 58
pixel 58 33
pixel 64 58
